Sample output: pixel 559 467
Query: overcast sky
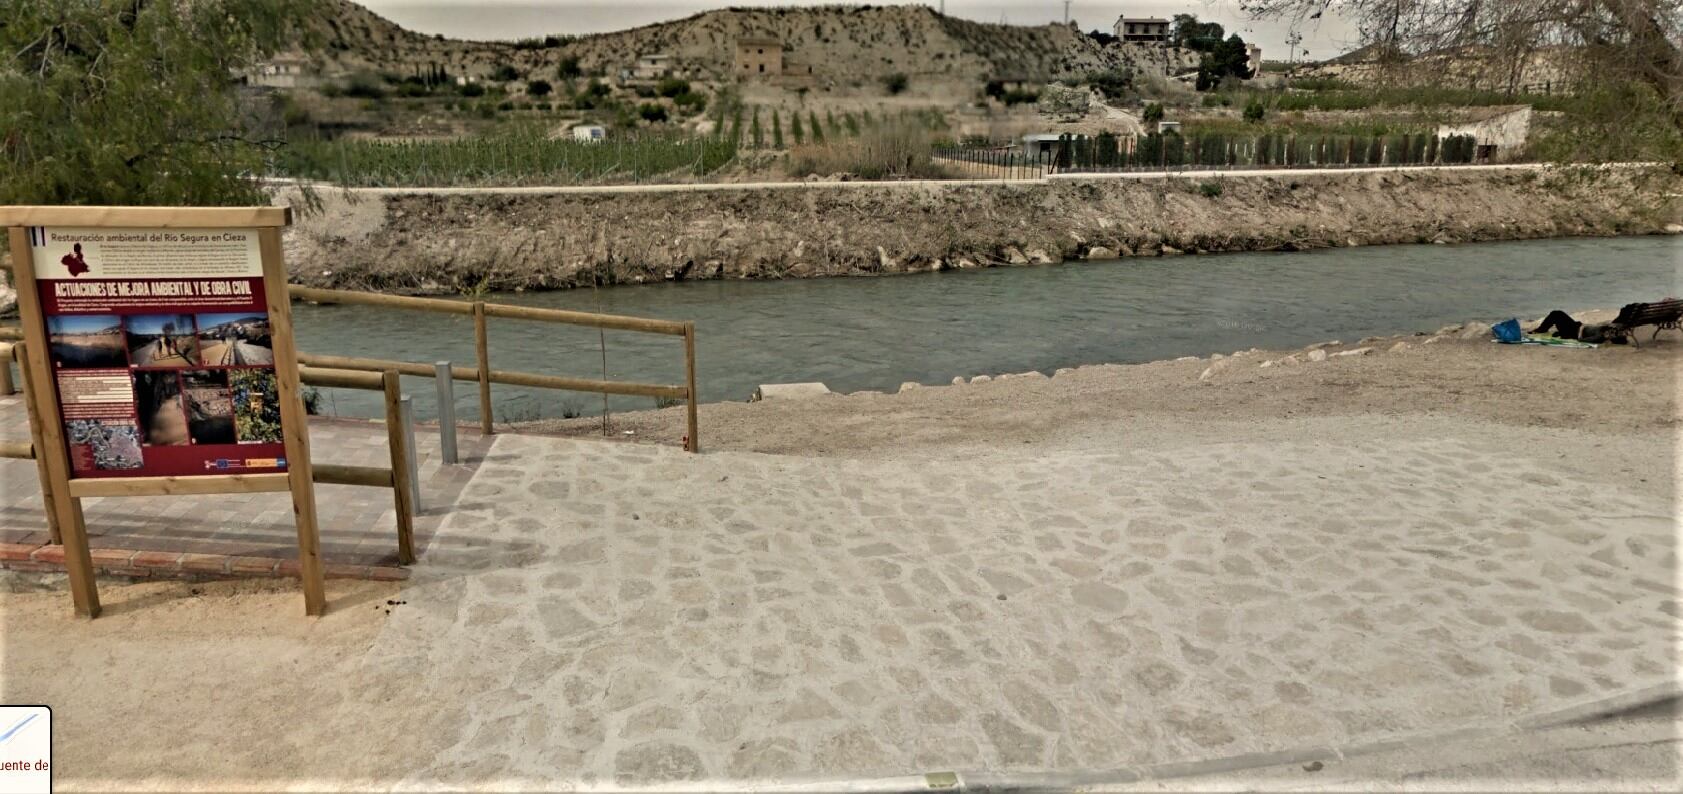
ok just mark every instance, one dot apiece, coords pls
pixel 513 19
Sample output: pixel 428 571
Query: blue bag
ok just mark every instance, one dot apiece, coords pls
pixel 1507 332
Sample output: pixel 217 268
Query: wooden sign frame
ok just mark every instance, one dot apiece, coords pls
pixel 64 494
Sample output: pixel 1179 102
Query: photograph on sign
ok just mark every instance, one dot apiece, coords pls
pixel 160 345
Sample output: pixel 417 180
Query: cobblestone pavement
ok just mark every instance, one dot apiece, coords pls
pixel 358 524
pixel 604 613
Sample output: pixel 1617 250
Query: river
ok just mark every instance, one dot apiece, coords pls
pixel 875 333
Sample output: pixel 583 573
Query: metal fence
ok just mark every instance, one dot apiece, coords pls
pixel 1107 153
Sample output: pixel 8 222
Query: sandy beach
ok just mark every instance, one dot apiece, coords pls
pixel 1113 569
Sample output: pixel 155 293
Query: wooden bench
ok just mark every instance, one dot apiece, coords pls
pixel 1663 314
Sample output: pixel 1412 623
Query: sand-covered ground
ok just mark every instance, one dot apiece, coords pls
pixel 1112 569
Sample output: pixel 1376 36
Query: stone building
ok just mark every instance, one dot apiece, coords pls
pixel 1500 132
pixel 1149 30
pixel 759 57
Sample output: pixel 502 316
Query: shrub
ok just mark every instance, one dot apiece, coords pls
pixel 538 88
pixel 363 85
pixel 776 130
pixel 896 149
pixel 1254 111
pixel 672 87
pixel 569 68
pixel 691 102
pixel 1113 83
pixel 1153 113
pixel 505 73
pixel 651 112
pixel 471 89
pixel 1210 189
pixel 896 83
pixel 1019 96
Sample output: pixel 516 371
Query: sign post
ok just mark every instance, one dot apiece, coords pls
pixel 161 361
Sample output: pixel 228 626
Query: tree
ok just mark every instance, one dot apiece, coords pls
pixel 1188 33
pixel 651 112
pixel 796 128
pixel 776 130
pixel 817 129
pixel 895 83
pixel 1153 113
pixel 569 69
pixel 1603 46
pixel 134 105
pixel 1227 59
pixel 538 88
pixel 1254 111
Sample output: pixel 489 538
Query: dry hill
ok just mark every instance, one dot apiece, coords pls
pixel 840 43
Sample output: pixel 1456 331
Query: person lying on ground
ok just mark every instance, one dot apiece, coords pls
pixel 1567 328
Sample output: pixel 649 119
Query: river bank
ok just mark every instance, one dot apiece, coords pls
pixel 451 241
pixel 1454 374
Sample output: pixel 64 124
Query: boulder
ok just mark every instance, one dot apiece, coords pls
pixel 1030 375
pixel 1290 361
pixel 789 391
pixel 1213 368
pixel 1039 256
pixel 958 380
pixel 1015 256
pixel 1319 345
pixel 908 386
pixel 1674 228
pixel 1475 330
pixel 1399 347
pixel 1100 252
pixel 1061 371
pixel 1357 351
pixel 1317 355
pixel 980 379
pixel 1169 250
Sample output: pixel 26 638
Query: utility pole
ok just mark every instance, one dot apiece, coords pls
pixel 1066 11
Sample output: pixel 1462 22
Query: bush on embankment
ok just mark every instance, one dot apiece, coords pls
pixel 897 149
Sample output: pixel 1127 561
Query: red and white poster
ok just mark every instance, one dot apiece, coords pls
pixel 159 342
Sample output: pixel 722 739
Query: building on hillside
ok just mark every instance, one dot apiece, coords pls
pixel 1150 30
pixel 759 57
pixel 1498 132
pixel 590 133
pixel 649 68
pixel 1253 59
pixel 284 71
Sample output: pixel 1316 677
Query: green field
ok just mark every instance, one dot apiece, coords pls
pixel 525 156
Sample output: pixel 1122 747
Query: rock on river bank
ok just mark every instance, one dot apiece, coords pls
pixel 448 241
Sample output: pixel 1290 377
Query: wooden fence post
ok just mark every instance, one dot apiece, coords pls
pixel 689 375
pixel 402 478
pixel 482 342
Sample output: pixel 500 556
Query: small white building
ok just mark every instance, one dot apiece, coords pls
pixel 1253 59
pixel 651 67
pixel 590 133
pixel 284 71
pixel 1499 133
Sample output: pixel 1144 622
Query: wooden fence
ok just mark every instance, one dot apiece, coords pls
pixel 482 371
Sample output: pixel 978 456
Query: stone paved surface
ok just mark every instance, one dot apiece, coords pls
pixel 358 525
pixel 604 613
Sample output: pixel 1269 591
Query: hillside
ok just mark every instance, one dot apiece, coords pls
pixel 842 44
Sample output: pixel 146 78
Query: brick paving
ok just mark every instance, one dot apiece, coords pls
pixel 239 534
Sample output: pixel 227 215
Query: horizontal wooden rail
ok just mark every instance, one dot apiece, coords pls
pixel 320 362
pixel 11 333
pixel 340 378
pixel 23 450
pixel 377 299
pixel 174 486
pixel 579 384
pixel 613 321
pixel 371 476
